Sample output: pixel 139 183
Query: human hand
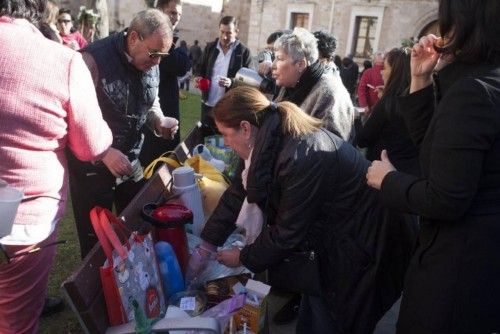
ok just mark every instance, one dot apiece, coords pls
pixel 380 91
pixel 224 82
pixel 423 61
pixel 198 261
pixel 378 170
pixel 196 81
pixel 265 68
pixel 167 127
pixel 229 257
pixel 117 163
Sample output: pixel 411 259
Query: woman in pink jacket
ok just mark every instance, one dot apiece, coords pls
pixel 47 104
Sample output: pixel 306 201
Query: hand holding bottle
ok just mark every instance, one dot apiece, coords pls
pixel 198 261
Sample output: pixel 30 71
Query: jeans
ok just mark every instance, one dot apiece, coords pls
pixel 314 317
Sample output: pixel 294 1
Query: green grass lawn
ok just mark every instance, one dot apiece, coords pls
pixel 68 255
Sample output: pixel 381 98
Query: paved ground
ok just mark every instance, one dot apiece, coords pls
pixel 387 325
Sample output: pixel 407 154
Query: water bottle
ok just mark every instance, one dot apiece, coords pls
pixel 170 270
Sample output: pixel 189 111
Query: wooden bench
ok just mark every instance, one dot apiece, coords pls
pixel 83 290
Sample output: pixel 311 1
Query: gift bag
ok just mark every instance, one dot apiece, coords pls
pixel 130 273
pixel 212 183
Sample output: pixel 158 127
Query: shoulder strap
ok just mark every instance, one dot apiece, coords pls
pixel 102 221
pixel 165 158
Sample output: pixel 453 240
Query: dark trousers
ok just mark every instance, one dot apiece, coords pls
pixel 314 317
pixel 92 185
pixel 154 146
pixel 207 117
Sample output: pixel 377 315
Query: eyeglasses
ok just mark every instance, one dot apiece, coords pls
pixel 63 21
pixel 154 54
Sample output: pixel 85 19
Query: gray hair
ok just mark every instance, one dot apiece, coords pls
pixel 298 44
pixel 148 21
pixel 378 57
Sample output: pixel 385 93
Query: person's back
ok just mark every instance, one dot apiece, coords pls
pixel 47 104
pixel 26 87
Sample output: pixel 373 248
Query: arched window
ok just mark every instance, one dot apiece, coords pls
pixel 431 28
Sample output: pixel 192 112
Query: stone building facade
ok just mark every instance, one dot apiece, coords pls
pixel 361 26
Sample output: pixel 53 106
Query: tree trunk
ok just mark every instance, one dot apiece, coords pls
pixel 102 27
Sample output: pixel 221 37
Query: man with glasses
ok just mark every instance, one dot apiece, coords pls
pixel 70 37
pixel 176 64
pixel 220 62
pixel 124 68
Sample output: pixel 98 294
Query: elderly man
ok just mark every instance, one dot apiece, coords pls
pixel 124 68
pixel 176 64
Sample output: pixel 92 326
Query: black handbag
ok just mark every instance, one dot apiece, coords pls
pixel 298 272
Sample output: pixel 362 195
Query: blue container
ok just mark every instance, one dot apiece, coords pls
pixel 171 274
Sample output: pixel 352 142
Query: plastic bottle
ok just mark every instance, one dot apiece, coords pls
pixel 170 270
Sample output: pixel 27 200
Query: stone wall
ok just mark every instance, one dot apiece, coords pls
pixel 401 19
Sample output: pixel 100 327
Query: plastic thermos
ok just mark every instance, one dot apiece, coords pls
pixel 169 220
pixel 189 194
pixel 171 274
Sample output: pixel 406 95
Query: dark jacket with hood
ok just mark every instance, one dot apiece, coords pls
pixel 314 196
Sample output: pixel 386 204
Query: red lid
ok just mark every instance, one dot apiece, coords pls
pixel 172 213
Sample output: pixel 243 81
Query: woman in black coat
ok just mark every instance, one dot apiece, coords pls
pixel 385 127
pixel 304 187
pixel 453 282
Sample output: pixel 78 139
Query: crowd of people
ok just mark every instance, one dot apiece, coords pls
pixel 413 217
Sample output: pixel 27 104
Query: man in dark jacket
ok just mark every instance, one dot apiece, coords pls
pixel 219 63
pixel 176 64
pixel 195 53
pixel 124 68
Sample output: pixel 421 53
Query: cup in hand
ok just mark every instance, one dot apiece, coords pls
pixel 9 202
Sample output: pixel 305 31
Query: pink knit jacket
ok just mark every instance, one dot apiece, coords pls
pixel 47 103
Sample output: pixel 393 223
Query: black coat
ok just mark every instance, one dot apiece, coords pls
pixel 240 57
pixel 385 129
pixel 313 193
pixel 453 282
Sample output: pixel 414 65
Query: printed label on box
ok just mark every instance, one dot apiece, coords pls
pixel 188 303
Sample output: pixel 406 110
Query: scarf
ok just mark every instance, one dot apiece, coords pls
pixel 250 217
pixel 311 76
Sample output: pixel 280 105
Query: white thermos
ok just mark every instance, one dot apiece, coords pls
pixel 190 195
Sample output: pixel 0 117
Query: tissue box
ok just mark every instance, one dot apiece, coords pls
pixel 253 313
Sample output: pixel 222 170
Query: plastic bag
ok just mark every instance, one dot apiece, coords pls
pixel 214 269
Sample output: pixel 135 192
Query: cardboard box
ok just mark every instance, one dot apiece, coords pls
pixel 221 289
pixel 254 312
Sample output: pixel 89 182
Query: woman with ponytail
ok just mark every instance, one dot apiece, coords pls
pixel 303 191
